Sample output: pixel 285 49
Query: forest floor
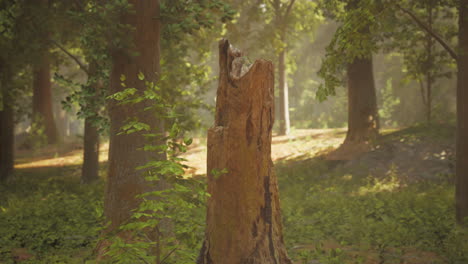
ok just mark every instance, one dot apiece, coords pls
pixel 418 153
pixel 393 204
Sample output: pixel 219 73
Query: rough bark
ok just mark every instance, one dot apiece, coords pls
pixel 42 98
pixel 124 182
pixel 284 123
pixel 362 102
pixel 462 116
pixel 7 127
pixel 243 217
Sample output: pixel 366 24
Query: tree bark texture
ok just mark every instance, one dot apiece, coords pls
pixel 42 98
pixel 462 116
pixel 124 181
pixel 284 125
pixel 363 122
pixel 90 167
pixel 7 127
pixel 243 217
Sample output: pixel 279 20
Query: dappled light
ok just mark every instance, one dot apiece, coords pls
pixel 70 158
pixel 227 132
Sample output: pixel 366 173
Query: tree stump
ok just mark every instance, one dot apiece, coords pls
pixel 243 217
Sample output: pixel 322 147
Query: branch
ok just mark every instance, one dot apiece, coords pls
pixel 431 32
pixel 169 254
pixel 288 9
pixel 73 57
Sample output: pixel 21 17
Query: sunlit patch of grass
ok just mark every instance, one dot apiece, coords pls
pixel 421 131
pixel 74 157
pixel 390 183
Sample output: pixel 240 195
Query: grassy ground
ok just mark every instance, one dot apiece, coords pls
pixel 381 207
pixel 391 205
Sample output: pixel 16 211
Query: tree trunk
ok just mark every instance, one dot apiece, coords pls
pixel 430 65
pixel 243 217
pixel 284 124
pixel 125 155
pixel 462 116
pixel 7 127
pixel 90 167
pixel 429 98
pixel 362 103
pixel 42 98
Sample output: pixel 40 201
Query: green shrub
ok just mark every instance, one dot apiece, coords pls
pixel 52 220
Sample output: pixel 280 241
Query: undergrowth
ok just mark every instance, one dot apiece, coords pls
pixel 332 214
pixel 48 219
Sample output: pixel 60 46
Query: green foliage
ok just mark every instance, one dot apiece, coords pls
pixel 389 104
pixel 90 97
pixel 173 212
pixel 425 62
pixel 37 137
pixel 54 218
pixel 337 213
pixel 357 37
pixel 216 173
pixel 187 17
pixel 188 32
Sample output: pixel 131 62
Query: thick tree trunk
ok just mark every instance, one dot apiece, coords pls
pixel 462 116
pixel 363 122
pixel 90 167
pixel 125 155
pixel 243 218
pixel 42 98
pixel 284 123
pixel 7 127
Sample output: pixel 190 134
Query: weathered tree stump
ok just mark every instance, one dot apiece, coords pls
pixel 243 218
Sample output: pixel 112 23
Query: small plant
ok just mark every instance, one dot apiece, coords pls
pixel 173 214
pixel 37 137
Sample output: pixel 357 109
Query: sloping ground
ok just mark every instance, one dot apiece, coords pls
pixel 300 142
pixel 416 153
pixel 393 204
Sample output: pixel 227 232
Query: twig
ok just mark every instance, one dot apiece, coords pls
pixel 288 9
pixel 82 66
pixel 168 254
